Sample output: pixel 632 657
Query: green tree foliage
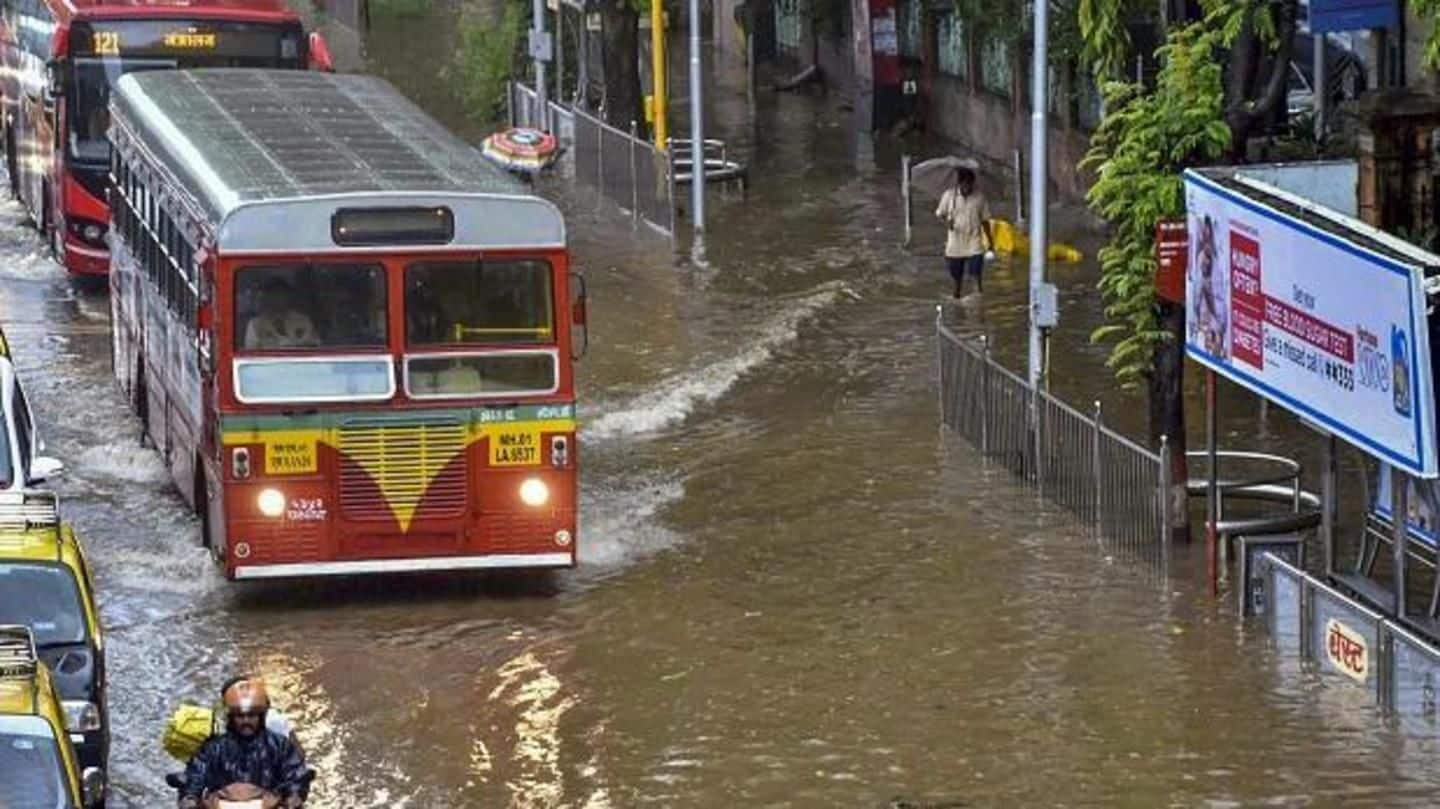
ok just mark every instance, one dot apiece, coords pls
pixel 399 9
pixel 1145 140
pixel 1429 10
pixel 1105 41
pixel 489 56
pixel 1011 21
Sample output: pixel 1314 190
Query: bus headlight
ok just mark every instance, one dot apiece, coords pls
pixel 271 502
pixel 534 492
pixel 81 716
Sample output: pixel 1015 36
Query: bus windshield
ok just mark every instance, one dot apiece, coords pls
pixel 90 110
pixel 328 312
pixel 478 302
pixel 504 306
pixel 106 50
pixel 31 775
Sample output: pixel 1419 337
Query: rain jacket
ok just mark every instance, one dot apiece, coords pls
pixel 269 761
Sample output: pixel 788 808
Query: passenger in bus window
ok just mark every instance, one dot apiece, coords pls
pixel 358 313
pixel 279 323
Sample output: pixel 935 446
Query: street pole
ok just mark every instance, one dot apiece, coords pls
pixel 1039 169
pixel 697 126
pixel 540 54
pixel 658 70
pixel 1319 87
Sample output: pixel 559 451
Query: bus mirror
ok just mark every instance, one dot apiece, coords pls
pixel 320 58
pixel 54 80
pixel 580 343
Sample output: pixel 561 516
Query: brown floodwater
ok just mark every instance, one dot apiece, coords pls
pixel 795 589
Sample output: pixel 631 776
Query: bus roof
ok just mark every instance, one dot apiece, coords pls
pixel 270 154
pixel 257 10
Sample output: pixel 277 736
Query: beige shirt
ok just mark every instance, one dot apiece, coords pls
pixel 963 217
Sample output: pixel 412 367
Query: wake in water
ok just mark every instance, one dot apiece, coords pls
pixel 618 526
pixel 675 398
pixel 124 461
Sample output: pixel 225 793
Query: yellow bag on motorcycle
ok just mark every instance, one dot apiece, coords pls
pixel 187 730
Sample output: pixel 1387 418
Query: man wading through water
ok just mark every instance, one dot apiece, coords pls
pixel 966 214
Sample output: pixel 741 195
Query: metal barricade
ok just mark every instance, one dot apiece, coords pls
pixel 1106 480
pixel 1320 627
pixel 523 106
pixel 1285 614
pixel 1414 680
pixel 1344 637
pixel 624 169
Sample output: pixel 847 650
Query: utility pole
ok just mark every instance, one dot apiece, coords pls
pixel 1318 88
pixel 1039 171
pixel 659 70
pixel 697 126
pixel 540 53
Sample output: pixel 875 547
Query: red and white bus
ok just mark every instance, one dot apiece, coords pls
pixel 349 334
pixel 59 60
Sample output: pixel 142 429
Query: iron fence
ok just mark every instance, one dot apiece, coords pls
pixel 622 167
pixel 1109 482
pixel 1349 643
pixel 524 107
pixel 626 170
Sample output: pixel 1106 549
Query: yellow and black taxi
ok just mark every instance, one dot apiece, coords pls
pixel 38 765
pixel 45 585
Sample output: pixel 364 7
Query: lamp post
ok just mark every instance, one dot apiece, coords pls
pixel 1039 169
pixel 540 53
pixel 697 126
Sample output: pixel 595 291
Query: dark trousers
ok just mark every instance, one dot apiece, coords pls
pixel 966 265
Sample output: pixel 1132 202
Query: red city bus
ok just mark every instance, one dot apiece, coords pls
pixel 348 333
pixel 60 58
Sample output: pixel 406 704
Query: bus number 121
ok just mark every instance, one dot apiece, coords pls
pixel 107 43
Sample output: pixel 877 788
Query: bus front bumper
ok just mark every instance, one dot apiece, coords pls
pixel 514 561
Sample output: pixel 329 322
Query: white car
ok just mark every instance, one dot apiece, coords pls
pixel 22 465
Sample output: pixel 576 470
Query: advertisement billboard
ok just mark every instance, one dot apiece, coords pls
pixel 1422 500
pixel 1353 15
pixel 1283 303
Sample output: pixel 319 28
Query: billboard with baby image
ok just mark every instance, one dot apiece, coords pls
pixel 1313 311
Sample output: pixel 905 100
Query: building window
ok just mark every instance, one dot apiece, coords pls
pixel 789 23
pixel 911 20
pixel 953 46
pixel 996 66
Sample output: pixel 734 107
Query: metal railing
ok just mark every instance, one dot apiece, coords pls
pixel 1113 485
pixel 1339 636
pixel 622 167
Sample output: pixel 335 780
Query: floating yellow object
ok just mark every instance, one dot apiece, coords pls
pixel 1010 239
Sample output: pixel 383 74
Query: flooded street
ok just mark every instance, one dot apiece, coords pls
pixel 795 589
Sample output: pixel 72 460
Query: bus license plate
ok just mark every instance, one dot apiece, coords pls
pixel 515 448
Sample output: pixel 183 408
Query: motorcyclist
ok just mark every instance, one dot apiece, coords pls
pixel 246 753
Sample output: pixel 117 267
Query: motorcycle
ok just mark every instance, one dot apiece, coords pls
pixel 234 796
